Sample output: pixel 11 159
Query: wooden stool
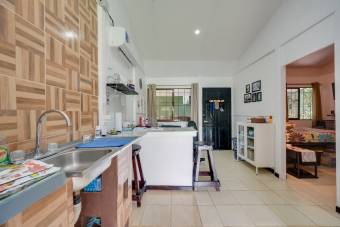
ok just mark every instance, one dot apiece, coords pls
pixel 214 182
pixel 139 186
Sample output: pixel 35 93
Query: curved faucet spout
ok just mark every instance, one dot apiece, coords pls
pixel 40 121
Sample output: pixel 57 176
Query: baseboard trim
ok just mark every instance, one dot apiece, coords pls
pixel 168 187
pixel 337 209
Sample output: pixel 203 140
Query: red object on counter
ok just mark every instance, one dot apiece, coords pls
pixel 140 121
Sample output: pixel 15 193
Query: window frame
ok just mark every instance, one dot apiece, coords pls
pixel 298 89
pixel 172 102
pixel 299 103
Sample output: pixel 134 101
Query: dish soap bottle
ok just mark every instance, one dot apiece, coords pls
pixel 4 159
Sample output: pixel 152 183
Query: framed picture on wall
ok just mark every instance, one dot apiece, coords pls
pixel 258 96
pixel 253 97
pixel 256 86
pixel 247 88
pixel 247 98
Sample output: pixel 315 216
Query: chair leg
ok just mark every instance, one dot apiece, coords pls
pixel 140 171
pixel 135 175
pixel 212 165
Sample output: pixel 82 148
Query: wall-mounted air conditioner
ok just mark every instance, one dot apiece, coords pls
pixel 119 38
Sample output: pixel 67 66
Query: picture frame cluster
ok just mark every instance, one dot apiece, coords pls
pixel 253 93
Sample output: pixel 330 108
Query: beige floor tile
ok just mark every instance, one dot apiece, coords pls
pixel 223 198
pixel 270 197
pixel 263 216
pixel 185 216
pixel 183 198
pixel 294 198
pixel 319 216
pixel 234 215
pixel 155 197
pixel 247 197
pixel 277 184
pixel 136 215
pixel 156 215
pixel 284 203
pixel 234 185
pixel 209 216
pixel 203 198
pixel 252 184
pixel 291 216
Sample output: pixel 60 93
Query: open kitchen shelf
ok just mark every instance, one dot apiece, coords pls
pixel 122 88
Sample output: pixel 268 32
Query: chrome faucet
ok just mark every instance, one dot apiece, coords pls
pixel 40 121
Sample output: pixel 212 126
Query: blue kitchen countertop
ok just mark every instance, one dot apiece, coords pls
pixel 14 204
pixel 107 142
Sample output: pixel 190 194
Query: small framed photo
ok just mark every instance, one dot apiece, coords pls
pixel 247 98
pixel 247 88
pixel 253 97
pixel 258 96
pixel 256 86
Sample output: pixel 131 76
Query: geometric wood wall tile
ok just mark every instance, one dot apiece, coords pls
pixel 95 87
pixel 85 103
pixel 28 36
pixel 94 119
pixel 85 64
pixel 94 54
pixel 9 4
pixel 72 100
pixel 8 126
pixel 48 60
pixel 75 120
pixel 30 95
pixel 86 121
pixel 55 19
pixel 72 24
pixel 71 59
pixel 85 85
pixel 7 93
pixel 94 104
pixel 94 71
pixel 60 139
pixel 7 42
pixel 55 50
pixel 55 98
pixel 72 80
pixel 29 65
pixel 56 75
pixel 27 121
pixel 7 25
pixel 28 145
pixel 56 125
pixel 32 11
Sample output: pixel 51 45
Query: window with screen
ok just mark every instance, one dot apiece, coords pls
pixel 300 103
pixel 173 104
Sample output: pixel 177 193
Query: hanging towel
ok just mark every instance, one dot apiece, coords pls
pixel 306 154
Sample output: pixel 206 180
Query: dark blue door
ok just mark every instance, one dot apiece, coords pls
pixel 217 117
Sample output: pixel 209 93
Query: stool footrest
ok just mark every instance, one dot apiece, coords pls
pixel 215 184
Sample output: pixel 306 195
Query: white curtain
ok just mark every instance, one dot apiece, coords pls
pixel 194 103
pixel 152 114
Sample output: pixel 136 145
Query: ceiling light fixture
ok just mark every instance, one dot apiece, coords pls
pixel 197 32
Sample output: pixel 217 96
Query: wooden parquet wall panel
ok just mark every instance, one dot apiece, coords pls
pixel 48 60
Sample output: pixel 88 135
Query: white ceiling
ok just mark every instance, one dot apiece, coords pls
pixel 164 29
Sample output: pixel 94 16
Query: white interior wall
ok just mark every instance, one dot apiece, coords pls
pixel 111 62
pixel 297 29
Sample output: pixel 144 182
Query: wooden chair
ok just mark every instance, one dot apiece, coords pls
pixel 138 185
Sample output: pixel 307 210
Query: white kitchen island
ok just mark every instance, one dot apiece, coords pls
pixel 166 155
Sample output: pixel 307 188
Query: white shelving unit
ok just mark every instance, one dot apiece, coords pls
pixel 255 144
